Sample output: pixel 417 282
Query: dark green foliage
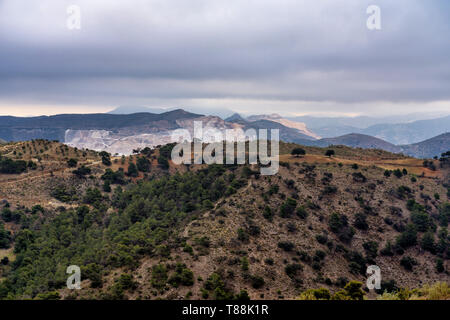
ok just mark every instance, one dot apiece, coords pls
pixel 293 269
pixel 357 263
pixel 72 163
pixel 5 237
pixel 361 221
pixel 106 158
pixel 286 245
pixel 182 276
pixel 329 153
pixel 301 212
pixel 288 208
pixel 268 214
pixel 444 214
pixel 321 238
pixel 242 235
pixel 64 193
pixel 274 189
pixel 408 238
pixel 164 156
pixel 9 166
pixel 117 177
pixel 243 296
pixel 257 282
pixel 440 265
pixel 371 248
pixel 92 196
pixel 159 276
pixel 82 171
pixel 339 225
pixel 143 164
pixel 327 190
pixel 387 250
pixel 427 242
pixel 140 224
pixel 398 173
pixel 132 170
pixel 215 284
pixel 403 191
pixel 352 291
pixel 408 262
pixel 359 177
pixel 419 216
pixel 93 272
pixel 107 186
pixel 298 152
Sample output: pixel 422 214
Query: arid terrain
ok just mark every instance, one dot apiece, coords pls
pixel 180 232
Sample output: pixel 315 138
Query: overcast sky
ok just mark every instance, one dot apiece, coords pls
pixel 260 56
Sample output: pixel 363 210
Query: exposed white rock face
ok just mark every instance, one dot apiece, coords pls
pixel 124 141
pixel 101 140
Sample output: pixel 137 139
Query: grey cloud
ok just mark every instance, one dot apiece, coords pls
pixel 198 49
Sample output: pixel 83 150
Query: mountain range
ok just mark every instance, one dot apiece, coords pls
pixel 122 133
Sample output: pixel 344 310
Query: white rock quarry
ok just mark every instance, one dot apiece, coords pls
pixel 123 143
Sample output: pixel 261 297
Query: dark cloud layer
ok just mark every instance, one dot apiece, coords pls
pixel 174 50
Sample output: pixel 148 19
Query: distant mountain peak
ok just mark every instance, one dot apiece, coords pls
pixel 235 118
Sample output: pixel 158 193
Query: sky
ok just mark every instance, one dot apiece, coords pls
pixel 291 57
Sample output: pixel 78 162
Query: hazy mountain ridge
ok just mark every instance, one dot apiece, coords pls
pixel 121 133
pixel 393 130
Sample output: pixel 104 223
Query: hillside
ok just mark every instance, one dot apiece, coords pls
pixel 428 148
pixel 54 127
pixel 407 133
pixel 141 228
pixel 360 141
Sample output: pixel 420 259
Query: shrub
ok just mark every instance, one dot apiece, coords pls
pixel 316 294
pixel 292 269
pixel 339 225
pixel 361 221
pixel 288 207
pixel 143 164
pixel 286 245
pixel 298 152
pixel 72 163
pixel 427 242
pixel 301 212
pixel 242 235
pixel 408 238
pixel 257 282
pixel 408 263
pixel 359 177
pixel 329 153
pixel 371 248
pixel 440 265
pixel 351 291
pixel 387 250
pixel 268 214
pixel 159 276
pixel 321 238
pixel 182 276
pixel 398 173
